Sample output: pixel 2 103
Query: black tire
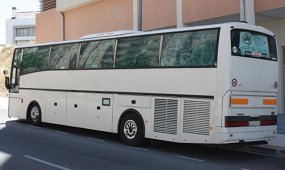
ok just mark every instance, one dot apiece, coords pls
pixel 132 130
pixel 35 114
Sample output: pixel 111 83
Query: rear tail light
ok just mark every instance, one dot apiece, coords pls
pixel 268 120
pixel 236 124
pixel 237 121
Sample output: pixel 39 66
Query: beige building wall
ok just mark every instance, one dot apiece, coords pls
pixel 102 16
pixel 194 10
pixel 264 5
pixel 278 27
pixel 93 16
pixel 63 5
pixel 49 27
pixel 158 14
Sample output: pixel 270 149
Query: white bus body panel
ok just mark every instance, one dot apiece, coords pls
pixel 186 81
pixel 84 86
pixel 16 108
pixel 98 116
pixel 55 107
pixel 76 108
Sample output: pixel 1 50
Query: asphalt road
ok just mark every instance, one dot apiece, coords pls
pixel 23 146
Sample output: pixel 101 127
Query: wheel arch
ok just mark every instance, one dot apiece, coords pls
pixel 131 111
pixel 32 103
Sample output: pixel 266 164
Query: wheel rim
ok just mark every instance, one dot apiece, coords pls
pixel 130 129
pixel 35 113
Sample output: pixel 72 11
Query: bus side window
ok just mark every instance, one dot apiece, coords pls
pixel 189 49
pixel 173 53
pixel 43 56
pixel 57 52
pixel 87 53
pixel 64 56
pixel 138 52
pixel 29 60
pixel 73 53
pixel 108 56
pixel 97 54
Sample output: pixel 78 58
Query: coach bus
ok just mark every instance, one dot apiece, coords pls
pixel 212 84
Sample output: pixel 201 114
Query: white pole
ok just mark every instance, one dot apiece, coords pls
pixel 247 11
pixel 137 15
pixel 242 10
pixel 179 18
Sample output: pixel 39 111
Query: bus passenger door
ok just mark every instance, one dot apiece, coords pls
pixel 99 112
pixel 15 100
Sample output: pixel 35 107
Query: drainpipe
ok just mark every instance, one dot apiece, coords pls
pixel 63 26
pixel 140 15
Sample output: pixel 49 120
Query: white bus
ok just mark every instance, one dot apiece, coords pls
pixel 212 84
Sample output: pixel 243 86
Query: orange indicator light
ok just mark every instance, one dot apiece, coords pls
pixel 239 101
pixel 269 101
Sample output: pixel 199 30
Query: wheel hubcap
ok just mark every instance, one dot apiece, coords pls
pixel 130 129
pixel 35 113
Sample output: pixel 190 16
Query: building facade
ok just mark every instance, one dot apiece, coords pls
pixel 21 28
pixel 72 19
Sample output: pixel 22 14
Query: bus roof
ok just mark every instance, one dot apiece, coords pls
pixel 108 34
pixel 131 33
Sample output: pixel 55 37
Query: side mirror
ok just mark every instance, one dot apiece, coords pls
pixel 7 80
pixel 5 72
pixel 7 84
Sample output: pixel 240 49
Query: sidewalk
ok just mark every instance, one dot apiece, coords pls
pixel 278 141
pixel 275 147
pixel 3 103
pixel 4 110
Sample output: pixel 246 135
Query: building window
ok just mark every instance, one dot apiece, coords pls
pixel 29 31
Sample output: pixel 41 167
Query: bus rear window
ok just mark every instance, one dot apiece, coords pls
pixel 253 44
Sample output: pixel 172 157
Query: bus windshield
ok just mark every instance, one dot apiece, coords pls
pixel 253 44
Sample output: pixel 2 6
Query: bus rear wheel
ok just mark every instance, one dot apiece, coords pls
pixel 35 114
pixel 131 130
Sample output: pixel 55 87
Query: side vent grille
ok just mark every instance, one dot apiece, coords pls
pixel 196 117
pixel 165 116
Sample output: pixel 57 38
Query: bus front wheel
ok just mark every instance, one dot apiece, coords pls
pixel 131 130
pixel 35 114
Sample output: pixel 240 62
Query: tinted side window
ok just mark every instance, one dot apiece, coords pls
pixel 97 54
pixel 29 60
pixel 138 52
pixel 186 49
pixel 17 57
pixel 64 56
pixel 43 56
pixel 34 59
pixel 15 67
